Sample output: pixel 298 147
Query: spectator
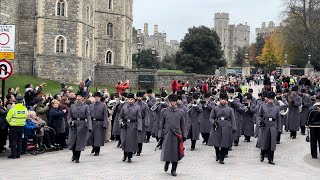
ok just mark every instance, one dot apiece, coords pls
pixel 29 133
pixel 56 121
pixel 31 95
pixel 42 109
pixel 3 127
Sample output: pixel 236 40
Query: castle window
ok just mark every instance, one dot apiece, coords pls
pixel 61 8
pixel 87 49
pixel 88 14
pixel 109 29
pixel 109 57
pixel 110 5
pixel 60 44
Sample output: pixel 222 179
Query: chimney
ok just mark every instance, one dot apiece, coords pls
pixel 155 29
pixel 139 32
pixel 145 31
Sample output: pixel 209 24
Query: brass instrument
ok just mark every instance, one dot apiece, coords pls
pixel 193 104
pixel 283 112
pixel 158 103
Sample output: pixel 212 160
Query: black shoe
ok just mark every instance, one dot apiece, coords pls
pixel 18 156
pixel 230 149
pixel 226 156
pixel 261 158
pixel 138 154
pixel 124 159
pixel 77 161
pixel 294 137
pixel 314 157
pixel 166 167
pixel 119 145
pixel 203 141
pixel 92 151
pixel 236 144
pixel 129 160
pixel 12 157
pixel 221 162
pixel 303 133
pixel 96 154
pixel 272 163
pixel 217 158
pixel 173 173
pixel 278 142
pixel 192 149
pixel 72 158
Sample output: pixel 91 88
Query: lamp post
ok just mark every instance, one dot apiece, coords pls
pixel 139 46
pixel 309 56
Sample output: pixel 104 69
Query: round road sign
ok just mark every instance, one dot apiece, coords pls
pixel 5 69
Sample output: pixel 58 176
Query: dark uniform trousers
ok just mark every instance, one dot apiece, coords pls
pixel 140 147
pixel 75 154
pixel 221 153
pixel 148 134
pixel 268 153
pixel 314 139
pixel 128 154
pixel 293 133
pixel 15 138
pixel 205 137
pixel 174 165
pixel 193 144
pixel 303 129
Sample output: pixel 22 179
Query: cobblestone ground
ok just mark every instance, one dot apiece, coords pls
pixel 292 158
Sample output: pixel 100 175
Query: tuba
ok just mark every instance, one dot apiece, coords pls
pixel 283 112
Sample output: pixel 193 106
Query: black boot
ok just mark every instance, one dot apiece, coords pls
pixel 262 155
pixel 174 168
pixel 166 166
pixel 125 154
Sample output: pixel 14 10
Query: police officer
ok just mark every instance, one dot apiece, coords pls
pixel 99 116
pixel 131 123
pixel 269 126
pixel 173 133
pixel 145 120
pixel 16 118
pixel 79 126
pixel 224 124
pixel 313 123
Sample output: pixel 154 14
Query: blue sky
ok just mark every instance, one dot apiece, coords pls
pixel 175 16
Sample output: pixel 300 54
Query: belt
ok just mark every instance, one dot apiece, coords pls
pixel 79 119
pixel 130 120
pixel 94 119
pixel 269 119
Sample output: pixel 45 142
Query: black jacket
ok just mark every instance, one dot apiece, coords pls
pixel 313 117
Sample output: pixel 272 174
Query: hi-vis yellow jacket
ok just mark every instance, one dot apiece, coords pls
pixel 17 115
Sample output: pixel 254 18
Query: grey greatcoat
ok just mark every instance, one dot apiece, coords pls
pixel 259 103
pixel 293 120
pixel 129 133
pixel 152 100
pixel 116 131
pixel 172 123
pixel 79 115
pixel 306 105
pixel 194 122
pixel 223 116
pixel 99 116
pixel 156 122
pixel 248 120
pixel 284 106
pixel 205 124
pixel 269 114
pixel 145 120
pixel 238 111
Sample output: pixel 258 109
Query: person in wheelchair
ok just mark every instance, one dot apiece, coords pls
pixel 30 129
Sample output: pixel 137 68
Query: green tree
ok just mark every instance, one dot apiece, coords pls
pixel 169 62
pixel 200 51
pixel 146 59
pixel 240 56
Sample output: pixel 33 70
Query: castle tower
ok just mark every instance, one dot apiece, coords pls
pixel 221 26
pixel 113 32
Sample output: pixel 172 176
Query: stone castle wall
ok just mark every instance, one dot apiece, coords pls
pixel 109 76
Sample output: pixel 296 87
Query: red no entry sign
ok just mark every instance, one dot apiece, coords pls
pixel 5 69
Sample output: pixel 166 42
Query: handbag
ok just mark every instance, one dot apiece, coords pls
pixel 308 134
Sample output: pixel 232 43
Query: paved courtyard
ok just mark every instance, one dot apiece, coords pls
pixel 292 158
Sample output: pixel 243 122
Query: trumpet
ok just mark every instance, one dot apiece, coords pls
pixel 191 105
pixel 113 103
pixel 283 112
